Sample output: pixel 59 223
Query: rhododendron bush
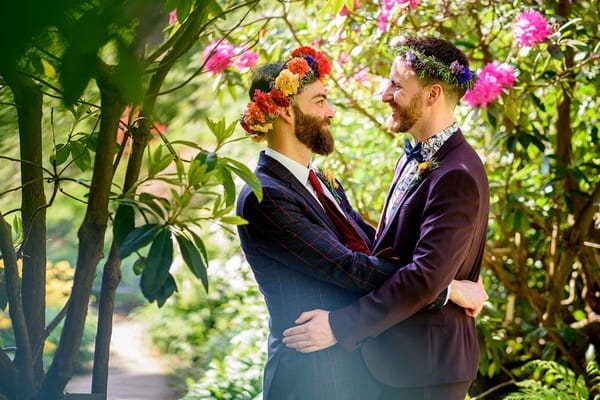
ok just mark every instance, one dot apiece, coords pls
pixel 132 114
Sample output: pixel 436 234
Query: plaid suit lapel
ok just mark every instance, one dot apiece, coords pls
pixel 282 174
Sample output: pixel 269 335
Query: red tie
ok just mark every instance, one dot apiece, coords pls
pixel 352 239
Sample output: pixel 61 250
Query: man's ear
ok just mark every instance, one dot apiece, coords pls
pixel 287 114
pixel 435 93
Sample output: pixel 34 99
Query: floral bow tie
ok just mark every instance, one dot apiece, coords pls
pixel 413 152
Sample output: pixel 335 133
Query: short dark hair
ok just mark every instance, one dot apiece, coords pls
pixel 445 52
pixel 263 77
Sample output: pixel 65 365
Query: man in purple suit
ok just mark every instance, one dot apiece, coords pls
pixel 306 245
pixel 434 221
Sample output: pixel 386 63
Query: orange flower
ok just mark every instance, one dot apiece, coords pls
pixel 298 66
pixel 253 114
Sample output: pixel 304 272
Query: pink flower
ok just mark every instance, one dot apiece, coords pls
pixel 344 58
pixel 387 7
pixel 173 17
pixel 494 78
pixel 503 72
pixel 531 28
pixel 247 59
pixel 362 75
pixel 218 56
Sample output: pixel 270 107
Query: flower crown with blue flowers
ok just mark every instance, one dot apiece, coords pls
pixel 430 67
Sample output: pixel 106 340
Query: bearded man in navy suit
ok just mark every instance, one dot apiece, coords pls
pixel 298 254
pixel 434 221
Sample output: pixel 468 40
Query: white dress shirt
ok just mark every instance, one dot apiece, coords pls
pixel 301 173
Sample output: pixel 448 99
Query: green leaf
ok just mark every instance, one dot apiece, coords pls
pixel 234 220
pixel 153 203
pixel 183 9
pixel 228 186
pixel 200 246
pixel 215 9
pixel 81 155
pixel 208 158
pixel 123 224
pixel 158 262
pixel 247 176
pixel 538 103
pixel 138 238
pixel 158 162
pixel 193 259
pixel 62 153
pixel 166 290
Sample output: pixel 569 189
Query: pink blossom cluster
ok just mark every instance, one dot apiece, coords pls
pixel 493 79
pixel 220 55
pixel 387 7
pixel 531 28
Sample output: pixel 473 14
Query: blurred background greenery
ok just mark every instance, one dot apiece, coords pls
pixel 538 138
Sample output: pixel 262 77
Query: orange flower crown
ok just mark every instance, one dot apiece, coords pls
pixel 306 65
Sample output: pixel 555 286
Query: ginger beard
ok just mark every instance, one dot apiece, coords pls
pixel 404 118
pixel 313 132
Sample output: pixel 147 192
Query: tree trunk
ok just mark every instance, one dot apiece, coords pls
pixel 28 99
pixel 111 277
pixel 91 241
pixel 112 269
pixel 23 359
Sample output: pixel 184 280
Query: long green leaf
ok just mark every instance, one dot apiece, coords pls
pixel 246 174
pixel 228 186
pixel 138 238
pixel 166 290
pixel 158 262
pixel 123 224
pixel 193 259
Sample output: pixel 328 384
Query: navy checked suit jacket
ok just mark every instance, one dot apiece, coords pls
pixel 300 264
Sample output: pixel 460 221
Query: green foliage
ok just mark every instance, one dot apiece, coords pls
pixel 552 381
pixel 219 337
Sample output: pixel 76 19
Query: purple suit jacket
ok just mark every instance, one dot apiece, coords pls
pixel 439 232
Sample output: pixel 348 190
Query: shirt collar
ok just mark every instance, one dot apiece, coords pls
pixel 433 143
pixel 297 169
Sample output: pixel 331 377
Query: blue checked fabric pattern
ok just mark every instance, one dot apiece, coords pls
pixel 429 148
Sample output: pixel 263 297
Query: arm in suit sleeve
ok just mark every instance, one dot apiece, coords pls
pixel 446 229
pixel 442 298
pixel 281 227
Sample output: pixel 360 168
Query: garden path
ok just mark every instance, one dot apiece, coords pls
pixel 136 370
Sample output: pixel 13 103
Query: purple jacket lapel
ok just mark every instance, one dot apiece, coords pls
pixel 450 144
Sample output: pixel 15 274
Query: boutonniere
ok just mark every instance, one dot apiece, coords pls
pixel 424 168
pixel 328 177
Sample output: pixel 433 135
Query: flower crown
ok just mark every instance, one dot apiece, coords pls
pixel 305 66
pixel 430 67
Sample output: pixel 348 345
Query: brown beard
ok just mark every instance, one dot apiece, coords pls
pixel 314 132
pixel 407 115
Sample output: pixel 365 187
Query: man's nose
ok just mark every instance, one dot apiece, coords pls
pixel 387 96
pixel 330 112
